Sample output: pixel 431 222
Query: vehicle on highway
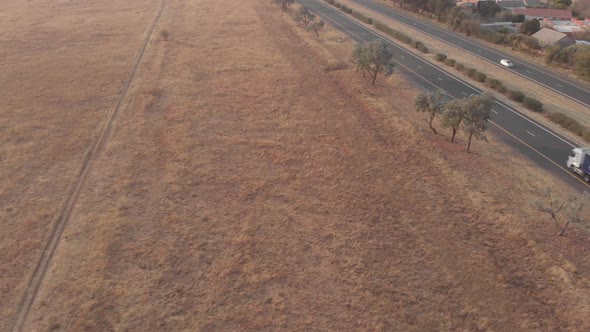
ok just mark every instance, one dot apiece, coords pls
pixel 506 63
pixel 579 162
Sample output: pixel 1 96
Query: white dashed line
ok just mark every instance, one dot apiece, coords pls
pixel 479 51
pixel 440 79
pixel 494 111
pixel 530 133
pixel 419 66
pixel 463 93
pixel 559 85
pixel 403 57
pixel 528 71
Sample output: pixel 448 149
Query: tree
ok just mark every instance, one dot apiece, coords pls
pixel 431 103
pixel 455 17
pixel 304 16
pixel 452 116
pixel 284 3
pixel 470 27
pixel 476 117
pixel 581 8
pixel 572 206
pixel 373 58
pixel 529 27
pixel 315 26
pixel 487 9
pixel 524 43
pixel 582 60
pixel 551 53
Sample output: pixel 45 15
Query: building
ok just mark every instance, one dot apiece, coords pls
pixel 548 37
pixel 541 13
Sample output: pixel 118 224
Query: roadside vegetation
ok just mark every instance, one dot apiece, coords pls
pixel 469 22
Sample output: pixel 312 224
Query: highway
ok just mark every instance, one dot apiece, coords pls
pixel 574 90
pixel 544 147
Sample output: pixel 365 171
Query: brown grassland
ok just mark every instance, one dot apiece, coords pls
pixel 246 187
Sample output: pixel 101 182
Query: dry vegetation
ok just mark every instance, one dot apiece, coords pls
pixel 254 183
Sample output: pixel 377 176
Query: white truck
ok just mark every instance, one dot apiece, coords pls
pixel 579 162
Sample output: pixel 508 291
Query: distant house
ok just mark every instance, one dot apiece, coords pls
pixel 548 37
pixel 541 13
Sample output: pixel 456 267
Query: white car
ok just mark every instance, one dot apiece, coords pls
pixel 506 63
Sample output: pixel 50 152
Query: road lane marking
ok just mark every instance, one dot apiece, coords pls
pixel 403 57
pixel 486 59
pixel 419 66
pixel 440 79
pixel 464 93
pixel 528 132
pixel 528 71
pixel 559 85
pixel 494 111
pixel 386 39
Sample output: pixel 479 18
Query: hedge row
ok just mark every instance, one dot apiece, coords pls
pixel 568 123
pixel 362 17
pixel 393 33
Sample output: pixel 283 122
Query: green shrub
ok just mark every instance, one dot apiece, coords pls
pixel 459 66
pixel 330 2
pixel 344 8
pixel 480 77
pixel 568 123
pixel 470 72
pixel 422 48
pixel 516 96
pixel 450 62
pixel 533 104
pixel 493 83
pixel 393 33
pixel 337 4
pixel 440 57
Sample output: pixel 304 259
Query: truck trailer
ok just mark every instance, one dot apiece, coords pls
pixel 579 162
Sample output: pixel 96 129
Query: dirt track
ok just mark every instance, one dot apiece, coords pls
pixel 245 188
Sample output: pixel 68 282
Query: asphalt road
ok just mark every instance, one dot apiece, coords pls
pixel 574 90
pixel 543 146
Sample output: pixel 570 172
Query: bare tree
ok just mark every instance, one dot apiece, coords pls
pixel 431 103
pixel 572 208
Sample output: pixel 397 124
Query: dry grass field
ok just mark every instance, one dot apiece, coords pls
pixel 244 187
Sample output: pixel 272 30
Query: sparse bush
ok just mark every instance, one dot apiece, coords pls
pixel 480 77
pixel 165 34
pixel 470 72
pixel 555 206
pixel 501 89
pixel 440 57
pixel 516 96
pixel 587 136
pixel 533 104
pixel 450 62
pixel 493 83
pixel 422 48
pixel 568 123
pixel 335 66
pixel 337 4
pixel 459 66
pixel 330 2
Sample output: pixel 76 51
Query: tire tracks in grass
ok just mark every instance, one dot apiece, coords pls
pixel 91 156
